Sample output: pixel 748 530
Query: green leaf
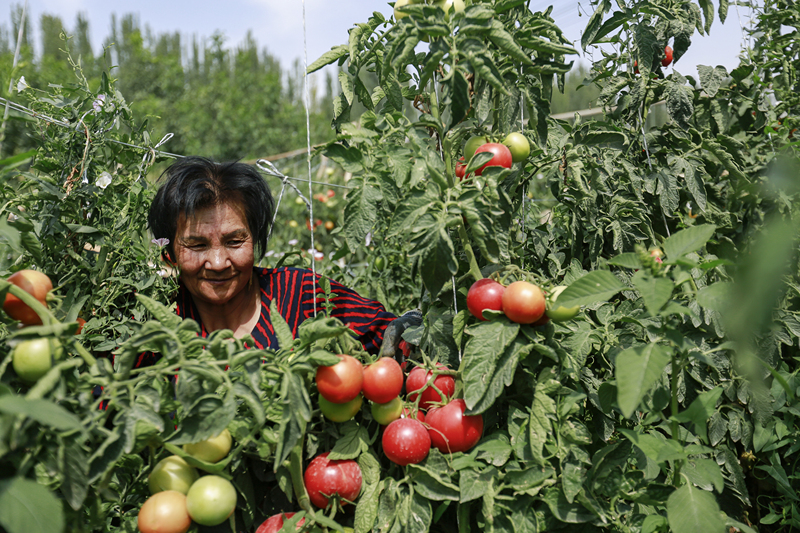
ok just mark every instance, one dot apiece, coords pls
pixel 626 260
pixel 361 214
pixel 637 369
pixel 700 410
pixel 367 508
pixel 539 424
pixel 595 286
pixel 708 13
pixel 711 78
pixel 723 10
pixel 571 513
pixel 679 104
pixel 353 442
pixel 40 410
pixel 332 55
pixel 592 32
pixel 690 510
pixel 687 241
pixel 655 291
pixel 160 312
pixel 282 330
pixel 650 444
pixel 505 42
pixel 28 507
pixel 705 473
pixel 474 484
pixel 295 416
pixel 487 343
pixel 435 251
pixel 716 297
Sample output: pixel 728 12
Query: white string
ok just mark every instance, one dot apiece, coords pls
pixel 13 66
pixel 307 103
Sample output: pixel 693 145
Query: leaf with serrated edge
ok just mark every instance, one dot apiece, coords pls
pixel 593 287
pixel 637 369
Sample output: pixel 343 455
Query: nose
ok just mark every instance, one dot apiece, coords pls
pixel 217 259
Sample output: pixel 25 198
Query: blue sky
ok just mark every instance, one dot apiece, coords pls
pixel 278 24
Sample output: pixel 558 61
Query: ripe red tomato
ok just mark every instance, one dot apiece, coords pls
pixel 210 500
pixel 340 412
pixel 451 431
pixel 385 413
pixel 164 512
pixel 383 380
pixel 667 56
pixel 523 302
pixel 211 450
pixel 33 282
pixel 341 382
pixel 406 441
pixel 502 156
pixel 518 145
pixel 81 322
pixel 485 294
pixel 461 169
pixel 172 473
pixel 340 477
pixel 33 358
pixel 274 523
pixel 417 379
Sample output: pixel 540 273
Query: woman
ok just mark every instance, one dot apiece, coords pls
pixel 217 217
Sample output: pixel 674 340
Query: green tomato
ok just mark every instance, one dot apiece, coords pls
pixel 384 413
pixel 400 3
pixel 457 5
pixel 340 412
pixel 211 500
pixel 211 450
pixel 172 473
pixel 472 144
pixel 380 263
pixel 559 313
pixel 32 359
pixel 518 145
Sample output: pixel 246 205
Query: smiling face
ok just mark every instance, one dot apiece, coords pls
pixel 214 251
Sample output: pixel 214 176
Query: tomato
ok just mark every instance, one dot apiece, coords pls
pixel 384 413
pixel 461 169
pixel 383 380
pixel 326 477
pixel 274 523
pixel 172 473
pixel 502 156
pixel 81 322
pixel 211 500
pixel 380 263
pixel 407 414
pixel 341 382
pixel 211 450
pixel 457 5
pixel 164 512
pixel 329 225
pixel 472 144
pixel 32 359
pixel 523 302
pixel 34 283
pixel 657 254
pixel 485 294
pixel 417 379
pixel 451 430
pixel 400 3
pixel 340 412
pixel 559 313
pixel 406 441
pixel 667 56
pixel 518 145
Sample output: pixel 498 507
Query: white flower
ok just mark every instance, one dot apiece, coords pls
pixel 162 242
pixel 293 242
pixel 104 180
pixel 22 84
pixel 368 239
pixel 319 256
pixel 163 273
pixel 98 104
pixel 270 253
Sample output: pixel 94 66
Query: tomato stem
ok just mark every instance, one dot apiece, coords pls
pixel 474 269
pixel 296 472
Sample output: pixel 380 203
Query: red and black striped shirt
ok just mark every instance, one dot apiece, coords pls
pixel 293 290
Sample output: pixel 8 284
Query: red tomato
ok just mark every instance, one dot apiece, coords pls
pixel 417 379
pixel 406 441
pixel 323 476
pixel 667 56
pixel 341 382
pixel 523 302
pixel 461 169
pixel 274 523
pixel 452 431
pixel 383 380
pixel 81 322
pixel 502 156
pixel 485 294
pixel 164 512
pixel 34 283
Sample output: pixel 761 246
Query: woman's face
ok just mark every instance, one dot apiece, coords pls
pixel 214 252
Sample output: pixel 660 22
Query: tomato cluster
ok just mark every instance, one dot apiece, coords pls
pixel 514 148
pixel 522 302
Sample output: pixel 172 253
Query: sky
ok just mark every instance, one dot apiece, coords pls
pixel 278 24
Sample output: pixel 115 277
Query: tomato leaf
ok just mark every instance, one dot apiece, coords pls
pixel 367 508
pixel 700 410
pixel 655 291
pixel 282 331
pixel 637 369
pixel 690 509
pixel 572 513
pixel 354 441
pixel 295 416
pixel 594 287
pixel 687 241
pixel 488 341
pixel 331 56
pixel 28 507
pixel 40 410
pixel 474 484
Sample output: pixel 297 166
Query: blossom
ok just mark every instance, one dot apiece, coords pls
pixel 98 104
pixel 104 180
pixel 162 242
pixel 22 84
pixel 368 239
pixel 293 242
pixel 319 256
pixel 270 253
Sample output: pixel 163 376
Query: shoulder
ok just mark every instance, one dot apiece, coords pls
pixel 283 275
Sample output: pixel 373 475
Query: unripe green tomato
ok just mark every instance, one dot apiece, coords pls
pixel 172 473
pixel 518 145
pixel 211 450
pixel 380 263
pixel 559 313
pixel 32 359
pixel 211 500
pixel 340 412
pixel 400 3
pixel 385 413
pixel 472 144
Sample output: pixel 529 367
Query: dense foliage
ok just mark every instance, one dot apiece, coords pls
pixel 669 403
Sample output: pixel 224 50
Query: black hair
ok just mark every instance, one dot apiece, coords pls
pixel 193 183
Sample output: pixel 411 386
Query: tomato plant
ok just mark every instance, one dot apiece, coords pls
pixel 341 382
pixel 211 500
pixel 34 283
pixel 501 156
pixel 485 294
pixel 523 302
pixel 325 478
pixel 172 473
pixel 213 449
pixel 418 379
pixel 164 512
pixel 406 441
pixel 472 145
pixel 32 359
pixel 518 145
pixel 340 412
pixel 559 313
pixel 665 62
pixel 384 413
pixel 451 430
pixel 274 523
pixel 383 380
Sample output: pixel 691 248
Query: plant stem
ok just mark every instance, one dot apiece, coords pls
pixel 296 472
pixel 473 263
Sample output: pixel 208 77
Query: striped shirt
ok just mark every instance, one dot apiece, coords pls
pixel 293 290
